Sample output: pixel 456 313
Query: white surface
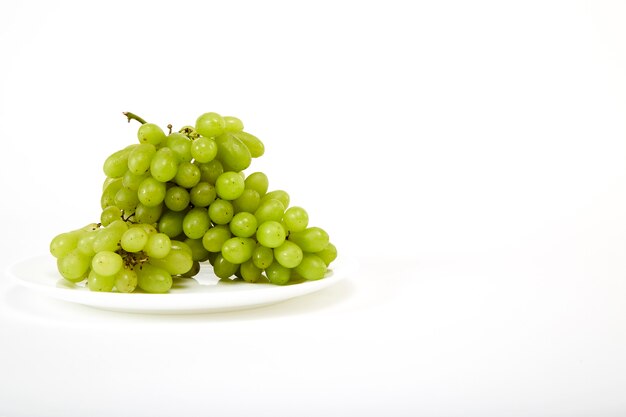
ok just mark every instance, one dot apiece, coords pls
pixel 470 155
pixel 205 293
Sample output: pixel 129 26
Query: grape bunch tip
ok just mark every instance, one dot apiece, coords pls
pixel 176 202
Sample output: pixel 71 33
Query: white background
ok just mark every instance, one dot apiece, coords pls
pixel 469 155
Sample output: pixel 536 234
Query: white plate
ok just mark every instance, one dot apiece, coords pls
pixel 204 294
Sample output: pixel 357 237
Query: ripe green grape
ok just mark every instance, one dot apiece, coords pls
pixel 202 194
pixel 107 263
pixel 151 192
pixel 328 254
pixel 248 201
pixel 196 223
pixel 153 279
pixel 270 210
pixel 74 266
pixel 158 245
pixel 150 133
pixel 181 145
pixel 254 144
pixel 126 199
pixel 215 237
pixel 279 195
pixel 312 267
pixel 257 181
pixel 232 124
pixel 233 154
pixel 85 243
pixel 229 185
pixel 134 239
pixel 178 261
pixel 296 219
pixel 210 125
pixel 177 198
pixel 126 280
pixel 140 157
pixel 198 251
pixel 277 274
pixel 110 214
pixel 221 211
pixel 188 175
pixel 262 256
pixel 312 239
pixel 238 249
pixel 97 282
pixel 117 163
pixel 288 254
pixel 132 181
pixel 210 171
pixel 250 272
pixel 109 192
pixel 271 234
pixel 164 165
pixel 63 244
pixel 148 215
pixel 222 268
pixel 203 149
pixel 171 223
pixel 243 224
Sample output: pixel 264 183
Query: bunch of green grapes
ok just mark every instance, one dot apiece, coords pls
pixel 174 202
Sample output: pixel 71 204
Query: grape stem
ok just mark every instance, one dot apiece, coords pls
pixel 133 116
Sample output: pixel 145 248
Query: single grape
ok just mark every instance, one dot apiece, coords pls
pixel 177 198
pixel 270 210
pixel 243 224
pixel 158 245
pixel 250 272
pixel 126 280
pixel 196 223
pixel 151 192
pixel 296 219
pixel 110 214
pixel 229 185
pixel 126 199
pixel 153 279
pixel 210 124
pixel 198 251
pixel 279 195
pixel 108 195
pixel 215 237
pixel 132 181
pixel 148 215
pixel 150 133
pixel 177 261
pixel 262 256
pixel 107 263
pixel 271 234
pixel 238 249
pixel 103 283
pixel 117 163
pixel 140 158
pixel 85 243
pixel 221 211
pixel 222 268
pixel 181 145
pixel 328 254
pixel 312 239
pixel 210 171
pixel 257 181
pixel 107 239
pixel 254 144
pixel 134 239
pixel 232 124
pixel 63 244
pixel 277 274
pixel 171 223
pixel 188 175
pixel 312 267
pixel 74 266
pixel 288 254
pixel 164 164
pixel 203 149
pixel 202 194
pixel 248 201
pixel 232 153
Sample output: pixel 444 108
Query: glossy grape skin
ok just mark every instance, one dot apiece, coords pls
pixel 312 239
pixel 132 181
pixel 277 274
pixel 296 219
pixel 196 223
pixel 270 210
pixel 117 163
pixel 203 149
pixel 180 145
pixel 215 237
pixel 210 124
pixel 107 263
pixel 198 251
pixel 177 198
pixel 288 254
pixel 178 261
pixel 279 195
pixel 63 243
pixel 140 157
pixel 151 192
pixel 149 215
pixel 134 239
pixel 232 124
pixel 164 165
pixel 254 144
pixel 150 133
pixel 248 201
pixel 109 192
pixel 250 272
pixel 210 171
pixel 233 154
pixel 262 256
pixel 222 268
pixel 171 223
pixel 221 211
pixel 126 280
pixel 243 224
pixel 188 175
pixel 229 185
pixel 312 267
pixel 126 199
pixel 74 266
pixel 328 254
pixel 257 181
pixel 238 249
pixel 153 279
pixel 202 194
pixel 271 234
pixel 101 283
pixel 158 245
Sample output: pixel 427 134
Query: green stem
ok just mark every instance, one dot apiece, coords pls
pixel 132 116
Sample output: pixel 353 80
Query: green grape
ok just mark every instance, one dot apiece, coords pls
pixel 126 280
pixel 85 243
pixel 148 215
pixel 126 199
pixel 108 181
pixel 177 198
pixel 158 245
pixel 151 192
pixel 164 165
pixel 171 223
pixel 97 282
pixel 229 185
pixel 198 251
pixel 140 158
pixel 74 266
pixel 243 224
pixel 195 269
pixel 279 195
pixel 153 279
pixel 110 214
pixel 312 239
pixel 181 145
pixel 107 240
pixel 278 274
pixel 288 254
pixel 134 239
pixel 296 219
pixel 177 261
pixel 210 124
pixel 148 228
pixel 63 244
pixel 222 268
pixel 233 154
pixel 312 267
pixel 238 249
pixel 202 194
pixel 271 234
pixel 221 211
pixel 132 181
pixel 188 175
pixel 181 245
pixel 210 171
pixel 262 256
pixel 215 237
pixel 117 163
pixel 203 149
pixel 232 124
pixel 106 263
pixel 270 210
pixel 258 182
pixel 108 195
pixel 254 144
pixel 150 133
pixel 248 201
pixel 196 223
pixel 250 272
pixel 328 254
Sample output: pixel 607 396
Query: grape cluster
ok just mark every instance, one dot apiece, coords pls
pixel 175 202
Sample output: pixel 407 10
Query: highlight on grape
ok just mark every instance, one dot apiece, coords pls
pixel 173 203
